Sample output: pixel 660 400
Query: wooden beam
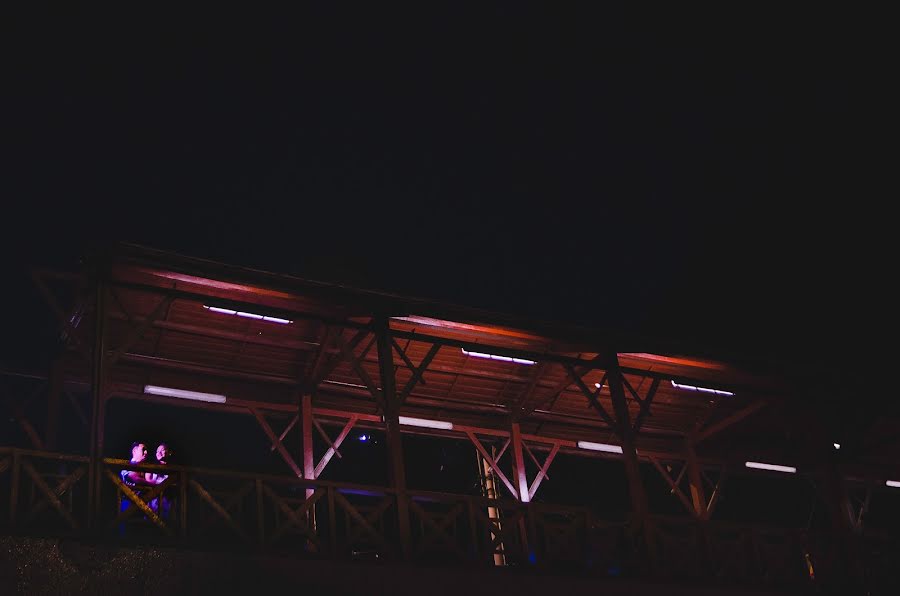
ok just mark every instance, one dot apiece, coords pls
pixel 519 463
pixel 542 473
pixel 409 364
pixel 333 450
pixel 391 407
pixel 645 407
pixel 519 407
pixel 592 399
pixel 358 368
pixel 286 430
pixel 630 456
pixel 675 488
pixel 695 479
pixel 282 450
pixel 98 395
pixel 581 369
pixel 418 372
pixel 309 462
pixel 493 463
pixel 731 420
pixel 138 332
pixel 60 315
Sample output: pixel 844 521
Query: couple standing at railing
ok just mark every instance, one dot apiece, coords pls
pixel 141 481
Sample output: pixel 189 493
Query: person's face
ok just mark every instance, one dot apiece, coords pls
pixel 139 452
pixel 161 453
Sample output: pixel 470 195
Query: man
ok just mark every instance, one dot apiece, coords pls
pixel 161 504
pixel 133 478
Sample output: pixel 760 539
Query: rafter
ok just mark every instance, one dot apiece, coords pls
pixel 592 399
pixel 138 331
pixel 418 371
pixel 731 420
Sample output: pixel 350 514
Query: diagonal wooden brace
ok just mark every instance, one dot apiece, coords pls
pixel 592 398
pixel 333 449
pixel 492 462
pixel 418 371
pixel 136 499
pixel 358 367
pixel 542 473
pixel 282 450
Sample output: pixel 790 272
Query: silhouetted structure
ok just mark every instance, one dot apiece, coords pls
pixel 320 360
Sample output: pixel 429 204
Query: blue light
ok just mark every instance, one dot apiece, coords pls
pixel 363 438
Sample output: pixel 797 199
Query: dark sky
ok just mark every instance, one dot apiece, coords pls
pixel 693 175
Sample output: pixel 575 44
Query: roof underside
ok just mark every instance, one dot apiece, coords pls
pixel 160 332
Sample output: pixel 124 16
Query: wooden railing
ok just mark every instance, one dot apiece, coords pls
pixel 45 493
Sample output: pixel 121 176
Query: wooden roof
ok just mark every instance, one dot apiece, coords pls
pixel 160 332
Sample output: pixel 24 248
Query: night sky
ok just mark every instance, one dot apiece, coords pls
pixel 688 176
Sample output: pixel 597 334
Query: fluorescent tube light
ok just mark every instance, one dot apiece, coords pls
pixel 495 357
pixel 701 389
pixel 773 467
pixel 426 423
pixel 893 483
pixel 247 315
pixel 599 447
pixel 184 394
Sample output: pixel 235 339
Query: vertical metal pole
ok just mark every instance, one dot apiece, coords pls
pixel 632 467
pixel 392 431
pixel 98 399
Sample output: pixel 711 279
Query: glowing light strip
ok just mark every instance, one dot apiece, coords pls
pixel 893 483
pixel 184 394
pixel 605 447
pixel 426 423
pixel 247 315
pixel 495 357
pixel 701 389
pixel 773 467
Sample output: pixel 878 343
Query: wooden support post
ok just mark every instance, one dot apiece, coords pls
pixel 695 479
pixel 698 499
pixel 630 457
pixel 521 478
pixel 98 399
pixel 306 424
pixel 54 395
pixel 309 464
pixel 390 400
